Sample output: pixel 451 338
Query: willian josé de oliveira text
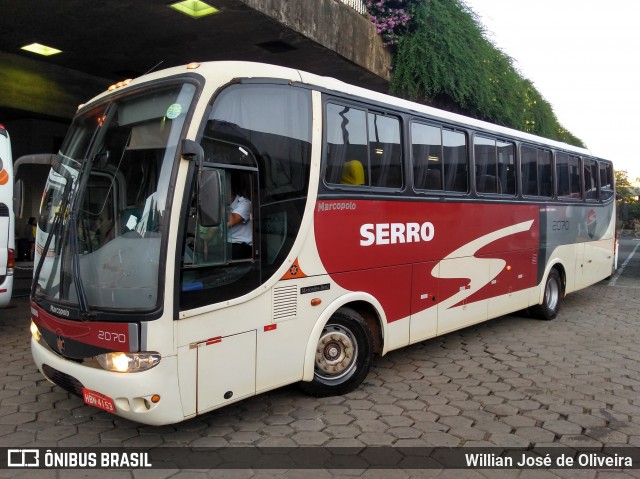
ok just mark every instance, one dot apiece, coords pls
pixel 586 459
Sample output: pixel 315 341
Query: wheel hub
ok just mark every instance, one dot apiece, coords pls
pixel 335 353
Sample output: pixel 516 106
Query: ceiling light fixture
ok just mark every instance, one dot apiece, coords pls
pixel 194 8
pixel 41 49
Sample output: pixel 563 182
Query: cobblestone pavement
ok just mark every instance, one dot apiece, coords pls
pixel 512 381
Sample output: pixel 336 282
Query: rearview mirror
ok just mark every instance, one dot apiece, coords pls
pixel 209 198
pixel 18 198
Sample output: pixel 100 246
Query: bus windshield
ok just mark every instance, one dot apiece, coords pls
pixel 103 209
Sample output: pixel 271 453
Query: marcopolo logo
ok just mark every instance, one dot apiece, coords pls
pixel 337 206
pixel 395 233
pixel 59 311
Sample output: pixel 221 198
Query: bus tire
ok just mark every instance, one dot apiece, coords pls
pixel 551 299
pixel 343 355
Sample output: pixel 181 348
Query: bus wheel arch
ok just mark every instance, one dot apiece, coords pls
pixel 371 316
pixel 552 293
pixel 346 329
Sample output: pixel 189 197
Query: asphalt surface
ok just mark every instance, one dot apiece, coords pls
pixel 511 382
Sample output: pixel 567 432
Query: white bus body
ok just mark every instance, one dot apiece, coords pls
pixel 376 223
pixel 7 219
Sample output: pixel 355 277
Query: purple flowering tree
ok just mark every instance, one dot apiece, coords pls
pixel 391 18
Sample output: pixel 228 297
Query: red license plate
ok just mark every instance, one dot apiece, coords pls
pixel 98 400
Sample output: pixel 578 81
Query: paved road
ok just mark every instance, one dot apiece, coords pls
pixel 512 381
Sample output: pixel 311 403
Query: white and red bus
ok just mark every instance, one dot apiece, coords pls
pixel 7 219
pixel 373 223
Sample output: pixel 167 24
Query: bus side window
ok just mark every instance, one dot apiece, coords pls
pixel 529 165
pixel 495 166
pixel 591 180
pixel 456 171
pixel 362 148
pixel 606 181
pixel 347 146
pixel 486 171
pixel 545 173
pixel 568 174
pixel 385 151
pixel 260 136
pixel 536 172
pixel 426 156
pixel 506 167
pixel 562 176
pixel 439 158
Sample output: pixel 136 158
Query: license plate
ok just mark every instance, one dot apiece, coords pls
pixel 98 400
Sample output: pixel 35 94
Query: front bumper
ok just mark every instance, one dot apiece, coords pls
pixel 130 392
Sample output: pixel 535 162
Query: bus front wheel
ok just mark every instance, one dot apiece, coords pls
pixel 343 355
pixel 551 299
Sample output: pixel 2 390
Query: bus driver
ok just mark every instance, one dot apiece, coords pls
pixel 239 230
pixel 239 224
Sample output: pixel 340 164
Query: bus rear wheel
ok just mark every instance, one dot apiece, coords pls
pixel 343 355
pixel 551 300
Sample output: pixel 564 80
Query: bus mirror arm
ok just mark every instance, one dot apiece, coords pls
pixel 192 151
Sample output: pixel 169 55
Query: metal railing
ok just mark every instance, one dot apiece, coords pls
pixel 357 5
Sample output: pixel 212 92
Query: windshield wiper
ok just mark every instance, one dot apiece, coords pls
pixel 55 225
pixel 83 303
pixel 72 234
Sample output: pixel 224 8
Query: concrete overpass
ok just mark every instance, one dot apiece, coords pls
pixel 106 42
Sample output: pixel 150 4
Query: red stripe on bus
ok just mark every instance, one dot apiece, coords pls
pixel 111 336
pixel 389 249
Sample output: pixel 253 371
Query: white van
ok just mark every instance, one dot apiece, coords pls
pixel 7 220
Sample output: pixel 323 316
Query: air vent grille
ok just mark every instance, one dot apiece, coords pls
pixel 285 303
pixel 69 383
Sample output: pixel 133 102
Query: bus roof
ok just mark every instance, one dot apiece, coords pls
pixel 226 71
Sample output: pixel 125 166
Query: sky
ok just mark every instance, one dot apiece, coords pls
pixel 583 56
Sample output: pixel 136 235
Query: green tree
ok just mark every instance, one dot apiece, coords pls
pixel 445 60
pixel 624 189
pixel 627 199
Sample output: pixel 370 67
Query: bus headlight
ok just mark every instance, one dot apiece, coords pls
pixel 35 332
pixel 128 362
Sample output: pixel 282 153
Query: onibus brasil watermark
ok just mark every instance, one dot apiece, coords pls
pixel 35 458
pixel 320 458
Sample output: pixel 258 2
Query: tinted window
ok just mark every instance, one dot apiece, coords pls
pixel 258 139
pixel 606 181
pixel 537 179
pixel 568 175
pixel 363 148
pixel 506 167
pixel 529 165
pixel 591 179
pixel 427 156
pixel 456 176
pixel 545 173
pixel 495 166
pixel 385 152
pixel 439 158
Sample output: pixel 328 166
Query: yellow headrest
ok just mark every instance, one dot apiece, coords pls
pixel 352 173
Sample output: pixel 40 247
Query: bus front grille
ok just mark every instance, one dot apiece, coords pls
pixel 66 382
